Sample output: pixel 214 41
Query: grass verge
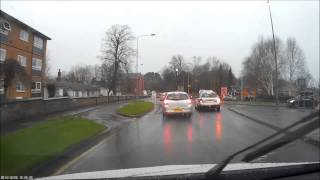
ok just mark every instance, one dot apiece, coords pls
pixel 28 147
pixel 136 108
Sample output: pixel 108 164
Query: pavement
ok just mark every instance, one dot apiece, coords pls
pixel 254 103
pixel 205 138
pixel 277 118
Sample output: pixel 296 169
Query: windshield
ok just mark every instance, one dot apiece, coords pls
pixel 89 86
pixel 177 96
pixel 208 95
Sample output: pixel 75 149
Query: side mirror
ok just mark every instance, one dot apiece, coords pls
pixel 191 97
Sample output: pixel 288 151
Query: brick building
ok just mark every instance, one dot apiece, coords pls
pixel 132 84
pixel 20 42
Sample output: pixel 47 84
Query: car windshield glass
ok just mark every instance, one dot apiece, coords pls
pixel 177 96
pixel 148 83
pixel 208 95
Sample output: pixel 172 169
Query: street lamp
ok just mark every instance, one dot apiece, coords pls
pixel 141 68
pixel 137 58
pixel 177 77
pixel 275 57
pixel 188 72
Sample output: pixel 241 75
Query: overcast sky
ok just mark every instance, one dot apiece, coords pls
pixel 226 30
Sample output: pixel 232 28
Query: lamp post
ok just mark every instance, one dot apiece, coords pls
pixel 141 68
pixel 137 58
pixel 275 56
pixel 188 72
pixel 177 77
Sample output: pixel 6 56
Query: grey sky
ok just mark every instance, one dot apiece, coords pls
pixel 226 30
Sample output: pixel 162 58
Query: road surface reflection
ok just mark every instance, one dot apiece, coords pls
pixel 218 126
pixel 167 138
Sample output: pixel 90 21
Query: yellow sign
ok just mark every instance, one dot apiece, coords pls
pixel 254 93
pixel 245 92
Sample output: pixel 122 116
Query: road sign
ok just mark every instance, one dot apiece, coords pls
pixel 245 92
pixel 224 91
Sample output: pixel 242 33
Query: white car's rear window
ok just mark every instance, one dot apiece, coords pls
pixel 208 95
pixel 177 96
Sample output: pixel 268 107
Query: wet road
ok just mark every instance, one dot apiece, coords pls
pixel 207 137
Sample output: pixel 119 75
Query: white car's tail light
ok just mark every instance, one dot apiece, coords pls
pixel 218 100
pixel 165 103
pixel 189 102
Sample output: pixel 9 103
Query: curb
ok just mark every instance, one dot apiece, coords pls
pixel 266 105
pixel 50 166
pixel 305 138
pixel 53 164
pixel 135 116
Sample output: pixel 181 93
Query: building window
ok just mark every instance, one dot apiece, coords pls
pixel 36 87
pixel 20 87
pixel 24 35
pixel 38 42
pixel 36 64
pixel 1 86
pixel 22 60
pixel 2 55
pixel 4 27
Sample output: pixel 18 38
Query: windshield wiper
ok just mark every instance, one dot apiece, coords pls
pixel 290 136
pixel 282 141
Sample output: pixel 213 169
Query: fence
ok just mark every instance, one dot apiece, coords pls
pixel 23 109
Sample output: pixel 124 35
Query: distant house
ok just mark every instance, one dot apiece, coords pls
pixel 73 89
pixel 104 91
pixel 102 86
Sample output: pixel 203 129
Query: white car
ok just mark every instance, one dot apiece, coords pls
pixel 208 99
pixel 229 98
pixel 177 102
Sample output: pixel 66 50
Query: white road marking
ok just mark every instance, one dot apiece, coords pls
pixel 77 158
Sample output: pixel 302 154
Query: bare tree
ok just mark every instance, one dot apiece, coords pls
pixel 178 62
pixel 209 75
pixel 117 51
pixel 80 73
pixel 260 65
pixel 295 60
pixel 11 70
pixel 96 72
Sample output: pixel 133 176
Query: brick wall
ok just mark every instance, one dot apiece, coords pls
pixel 24 109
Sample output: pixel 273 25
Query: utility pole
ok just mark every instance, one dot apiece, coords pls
pixel 177 78
pixel 137 60
pixel 137 55
pixel 275 58
pixel 188 84
pixel 241 90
